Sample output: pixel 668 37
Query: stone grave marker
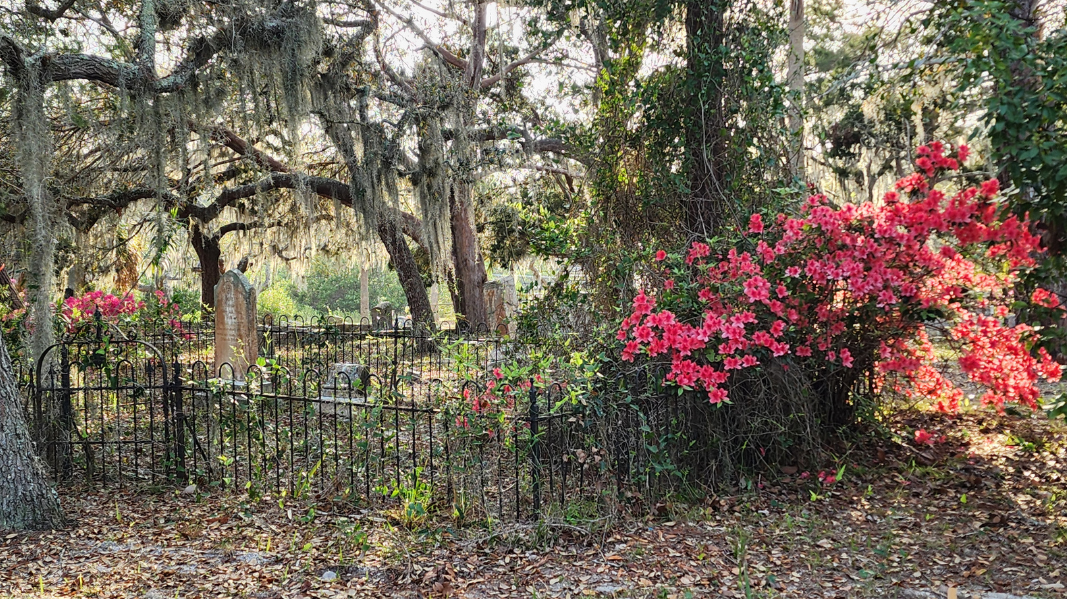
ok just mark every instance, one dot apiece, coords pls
pixel 346 383
pixel 501 303
pixel 236 338
pixel 382 316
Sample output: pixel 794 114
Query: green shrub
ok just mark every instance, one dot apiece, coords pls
pixel 277 299
pixel 334 288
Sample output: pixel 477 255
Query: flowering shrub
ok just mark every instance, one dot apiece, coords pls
pixel 923 437
pixel 851 290
pixel 79 311
pixel 12 319
pixel 497 399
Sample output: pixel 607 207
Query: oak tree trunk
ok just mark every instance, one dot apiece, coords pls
pixel 407 271
pixel 467 259
pixel 209 251
pixel 27 499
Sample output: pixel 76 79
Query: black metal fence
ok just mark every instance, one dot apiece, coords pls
pixel 395 432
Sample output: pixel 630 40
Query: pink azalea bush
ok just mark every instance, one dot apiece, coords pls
pixel 78 312
pixel 846 293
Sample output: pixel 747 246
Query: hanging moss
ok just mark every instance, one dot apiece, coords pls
pixel 431 188
pixel 33 142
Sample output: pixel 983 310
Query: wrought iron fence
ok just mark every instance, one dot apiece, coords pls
pixel 380 418
pixel 147 410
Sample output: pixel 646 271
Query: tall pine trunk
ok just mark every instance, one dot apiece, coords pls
pixel 795 79
pixel 706 203
pixel 27 499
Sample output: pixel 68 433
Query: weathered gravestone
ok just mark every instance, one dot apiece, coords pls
pixel 382 316
pixel 236 338
pixel 346 383
pixel 501 303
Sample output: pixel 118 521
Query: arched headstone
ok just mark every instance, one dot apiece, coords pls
pixel 236 338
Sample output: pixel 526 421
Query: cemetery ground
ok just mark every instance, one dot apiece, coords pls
pixel 982 511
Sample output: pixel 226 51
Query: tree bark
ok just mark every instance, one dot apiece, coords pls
pixel 467 259
pixel 27 499
pixel 209 251
pixel 795 80
pixel 407 270
pixel 705 205
pixel 388 226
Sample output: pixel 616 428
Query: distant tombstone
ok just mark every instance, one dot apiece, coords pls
pixel 382 316
pixel 236 338
pixel 344 376
pixel 346 384
pixel 501 304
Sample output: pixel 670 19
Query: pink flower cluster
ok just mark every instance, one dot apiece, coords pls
pixel 923 437
pixel 852 287
pixel 79 310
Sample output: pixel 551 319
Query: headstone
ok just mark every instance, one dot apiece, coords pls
pixel 236 339
pixel 382 316
pixel 501 304
pixel 344 375
pixel 345 386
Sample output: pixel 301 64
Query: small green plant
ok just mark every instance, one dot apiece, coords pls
pixel 1025 444
pixel 255 493
pixel 414 500
pixel 740 547
pixel 304 484
pixel 357 539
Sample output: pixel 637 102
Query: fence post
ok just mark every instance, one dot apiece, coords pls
pixel 179 423
pixel 66 415
pixel 535 451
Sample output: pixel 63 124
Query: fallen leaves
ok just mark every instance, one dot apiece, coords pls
pixel 892 524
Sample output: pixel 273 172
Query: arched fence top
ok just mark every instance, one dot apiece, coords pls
pixel 49 354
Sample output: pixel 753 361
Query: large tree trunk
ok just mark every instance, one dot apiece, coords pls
pixel 209 251
pixel 706 204
pixel 795 79
pixel 27 499
pixel 389 230
pixel 407 270
pixel 467 258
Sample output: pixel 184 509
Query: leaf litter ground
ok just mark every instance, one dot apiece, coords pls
pixel 985 511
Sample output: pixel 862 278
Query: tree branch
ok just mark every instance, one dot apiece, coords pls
pixel 473 72
pixel 360 23
pixel 113 73
pixel 531 57
pixel 283 178
pixel 442 52
pixel 241 147
pixel 518 135
pixel 393 76
pixel 331 189
pixel 52 15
